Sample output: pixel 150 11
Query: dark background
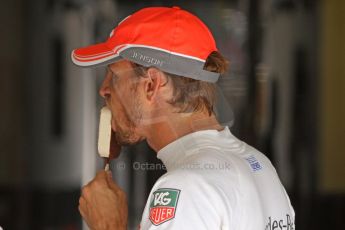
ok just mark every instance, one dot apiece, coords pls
pixel 285 87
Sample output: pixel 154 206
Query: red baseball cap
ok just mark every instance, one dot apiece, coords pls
pixel 170 39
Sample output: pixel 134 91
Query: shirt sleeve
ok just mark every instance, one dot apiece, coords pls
pixel 183 200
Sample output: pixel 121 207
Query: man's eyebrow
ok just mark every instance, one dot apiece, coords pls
pixel 109 69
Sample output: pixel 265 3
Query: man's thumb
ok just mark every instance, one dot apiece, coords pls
pixel 110 181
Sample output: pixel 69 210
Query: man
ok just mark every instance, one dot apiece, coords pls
pixel 162 66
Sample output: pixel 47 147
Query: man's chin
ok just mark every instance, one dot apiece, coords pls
pixel 125 140
pixel 129 143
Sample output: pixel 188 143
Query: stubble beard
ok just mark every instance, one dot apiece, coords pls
pixel 132 118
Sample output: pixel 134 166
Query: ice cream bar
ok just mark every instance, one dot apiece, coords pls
pixel 104 133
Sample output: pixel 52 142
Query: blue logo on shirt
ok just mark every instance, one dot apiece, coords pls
pixel 254 163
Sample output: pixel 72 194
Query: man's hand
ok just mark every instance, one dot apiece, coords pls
pixel 103 204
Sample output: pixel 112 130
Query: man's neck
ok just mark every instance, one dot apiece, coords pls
pixel 173 127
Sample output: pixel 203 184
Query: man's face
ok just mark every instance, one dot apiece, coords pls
pixel 119 89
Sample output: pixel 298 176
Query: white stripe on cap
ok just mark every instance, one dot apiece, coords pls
pixel 93 62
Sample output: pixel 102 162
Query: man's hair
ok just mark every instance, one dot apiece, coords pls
pixel 190 95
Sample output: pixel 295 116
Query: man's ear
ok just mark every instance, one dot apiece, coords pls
pixel 155 79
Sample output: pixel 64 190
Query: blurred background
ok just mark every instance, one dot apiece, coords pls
pixel 286 88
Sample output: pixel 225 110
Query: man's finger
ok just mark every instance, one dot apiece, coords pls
pixel 82 201
pixel 84 215
pixel 85 191
pixel 111 183
pixel 82 210
pixel 101 175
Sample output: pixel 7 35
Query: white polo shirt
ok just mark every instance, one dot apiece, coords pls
pixel 215 181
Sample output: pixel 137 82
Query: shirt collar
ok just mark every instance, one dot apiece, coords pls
pixel 173 154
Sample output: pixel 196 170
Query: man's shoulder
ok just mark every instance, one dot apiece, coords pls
pixel 198 178
pixel 181 176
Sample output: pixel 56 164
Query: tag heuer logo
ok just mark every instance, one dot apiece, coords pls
pixel 163 205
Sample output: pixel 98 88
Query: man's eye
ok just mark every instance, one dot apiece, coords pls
pixel 114 78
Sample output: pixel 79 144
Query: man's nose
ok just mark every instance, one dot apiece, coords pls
pixel 104 90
